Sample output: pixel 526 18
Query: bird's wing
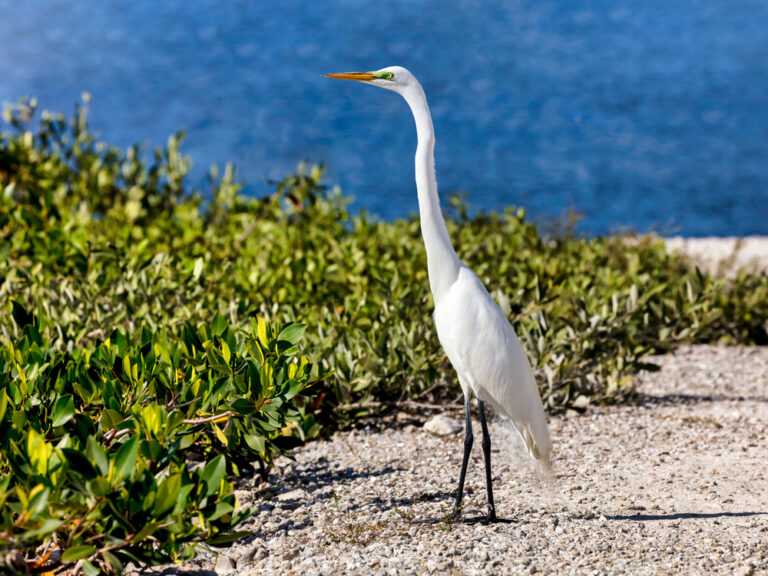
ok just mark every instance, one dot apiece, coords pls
pixel 488 355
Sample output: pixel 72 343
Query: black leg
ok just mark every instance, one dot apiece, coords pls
pixel 487 454
pixel 467 449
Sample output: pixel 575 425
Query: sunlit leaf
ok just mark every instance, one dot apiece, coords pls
pixel 63 411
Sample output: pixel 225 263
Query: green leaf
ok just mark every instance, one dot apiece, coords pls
pixel 261 331
pixel 292 333
pixel 221 509
pixel 167 493
pixel 221 540
pixel 38 452
pixel 218 325
pixel 3 404
pixel 125 459
pixel 221 436
pixel 74 553
pixel 256 443
pixel 38 503
pixel 99 487
pixel 90 570
pixel 146 530
pixel 97 455
pixel 110 419
pixel 213 474
pixel 63 411
pixel 244 406
pixel 119 339
pixel 295 387
pixel 47 527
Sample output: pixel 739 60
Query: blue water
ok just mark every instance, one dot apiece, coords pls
pixel 642 114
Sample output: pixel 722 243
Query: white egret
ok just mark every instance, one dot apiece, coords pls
pixel 475 334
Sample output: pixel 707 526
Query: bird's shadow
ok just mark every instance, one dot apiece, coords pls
pixel 676 516
pixel 317 476
pixel 690 399
pixel 484 520
pixel 449 519
pixel 173 571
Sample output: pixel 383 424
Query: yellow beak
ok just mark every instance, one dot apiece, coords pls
pixel 359 76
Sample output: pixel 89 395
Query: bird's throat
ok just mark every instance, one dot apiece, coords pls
pixel 442 262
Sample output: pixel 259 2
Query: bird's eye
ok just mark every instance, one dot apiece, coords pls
pixel 388 75
pixel 384 75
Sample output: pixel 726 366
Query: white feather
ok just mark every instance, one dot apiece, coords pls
pixel 490 361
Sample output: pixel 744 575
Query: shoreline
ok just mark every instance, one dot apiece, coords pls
pixel 723 255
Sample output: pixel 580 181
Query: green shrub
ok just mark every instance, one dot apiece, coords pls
pixel 120 451
pixel 126 328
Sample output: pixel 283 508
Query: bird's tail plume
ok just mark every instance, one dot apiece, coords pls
pixel 538 446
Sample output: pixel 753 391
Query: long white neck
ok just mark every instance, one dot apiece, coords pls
pixel 442 262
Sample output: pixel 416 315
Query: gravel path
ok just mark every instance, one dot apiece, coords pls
pixel 673 485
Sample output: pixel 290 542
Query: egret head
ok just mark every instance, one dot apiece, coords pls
pixel 394 78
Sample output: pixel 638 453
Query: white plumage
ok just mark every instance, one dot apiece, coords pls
pixel 490 361
pixel 475 334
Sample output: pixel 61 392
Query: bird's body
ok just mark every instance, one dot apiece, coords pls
pixel 475 334
pixel 490 361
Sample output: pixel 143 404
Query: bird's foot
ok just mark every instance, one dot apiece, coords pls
pixel 491 518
